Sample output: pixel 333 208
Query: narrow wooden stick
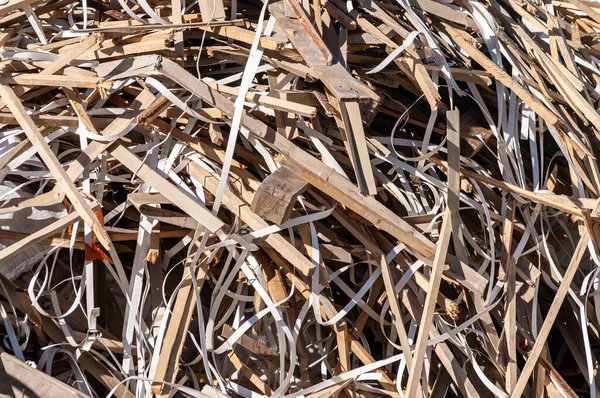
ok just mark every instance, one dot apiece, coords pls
pixel 561 293
pixel 414 382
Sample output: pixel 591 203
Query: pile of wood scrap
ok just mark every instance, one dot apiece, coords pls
pixel 300 199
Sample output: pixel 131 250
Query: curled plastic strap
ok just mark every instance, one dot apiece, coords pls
pixel 291 223
pixel 487 382
pixel 399 50
pixel 81 381
pixel 249 72
pixel 146 7
pixel 176 101
pixel 228 344
pixel 353 374
pixel 130 12
pixel 455 331
pixel 437 51
pixel 12 337
pixel 84 132
pixel 85 16
pixel 349 6
pixel 32 284
pixel 354 300
pixel 238 76
pixel 243 391
pixel 186 390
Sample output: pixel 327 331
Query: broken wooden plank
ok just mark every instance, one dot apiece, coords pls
pixel 277 195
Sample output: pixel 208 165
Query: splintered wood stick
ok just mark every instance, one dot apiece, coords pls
pixel 453 133
pixel 561 293
pixel 43 233
pixel 416 367
pixel 75 102
pixel 499 74
pixel 510 325
pixel 450 221
pixel 179 323
pixel 37 140
pixel 200 213
pixel 176 6
pixel 38 79
pixel 559 202
pixel 343 341
pixel 73 53
pixel 246 371
pixel 355 137
pixel 271 102
pixel 252 345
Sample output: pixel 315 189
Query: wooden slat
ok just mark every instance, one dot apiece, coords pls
pixel 544 331
pixel 179 323
pixel 37 140
pixel 414 382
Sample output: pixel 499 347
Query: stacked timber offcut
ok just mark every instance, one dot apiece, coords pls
pixel 316 198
